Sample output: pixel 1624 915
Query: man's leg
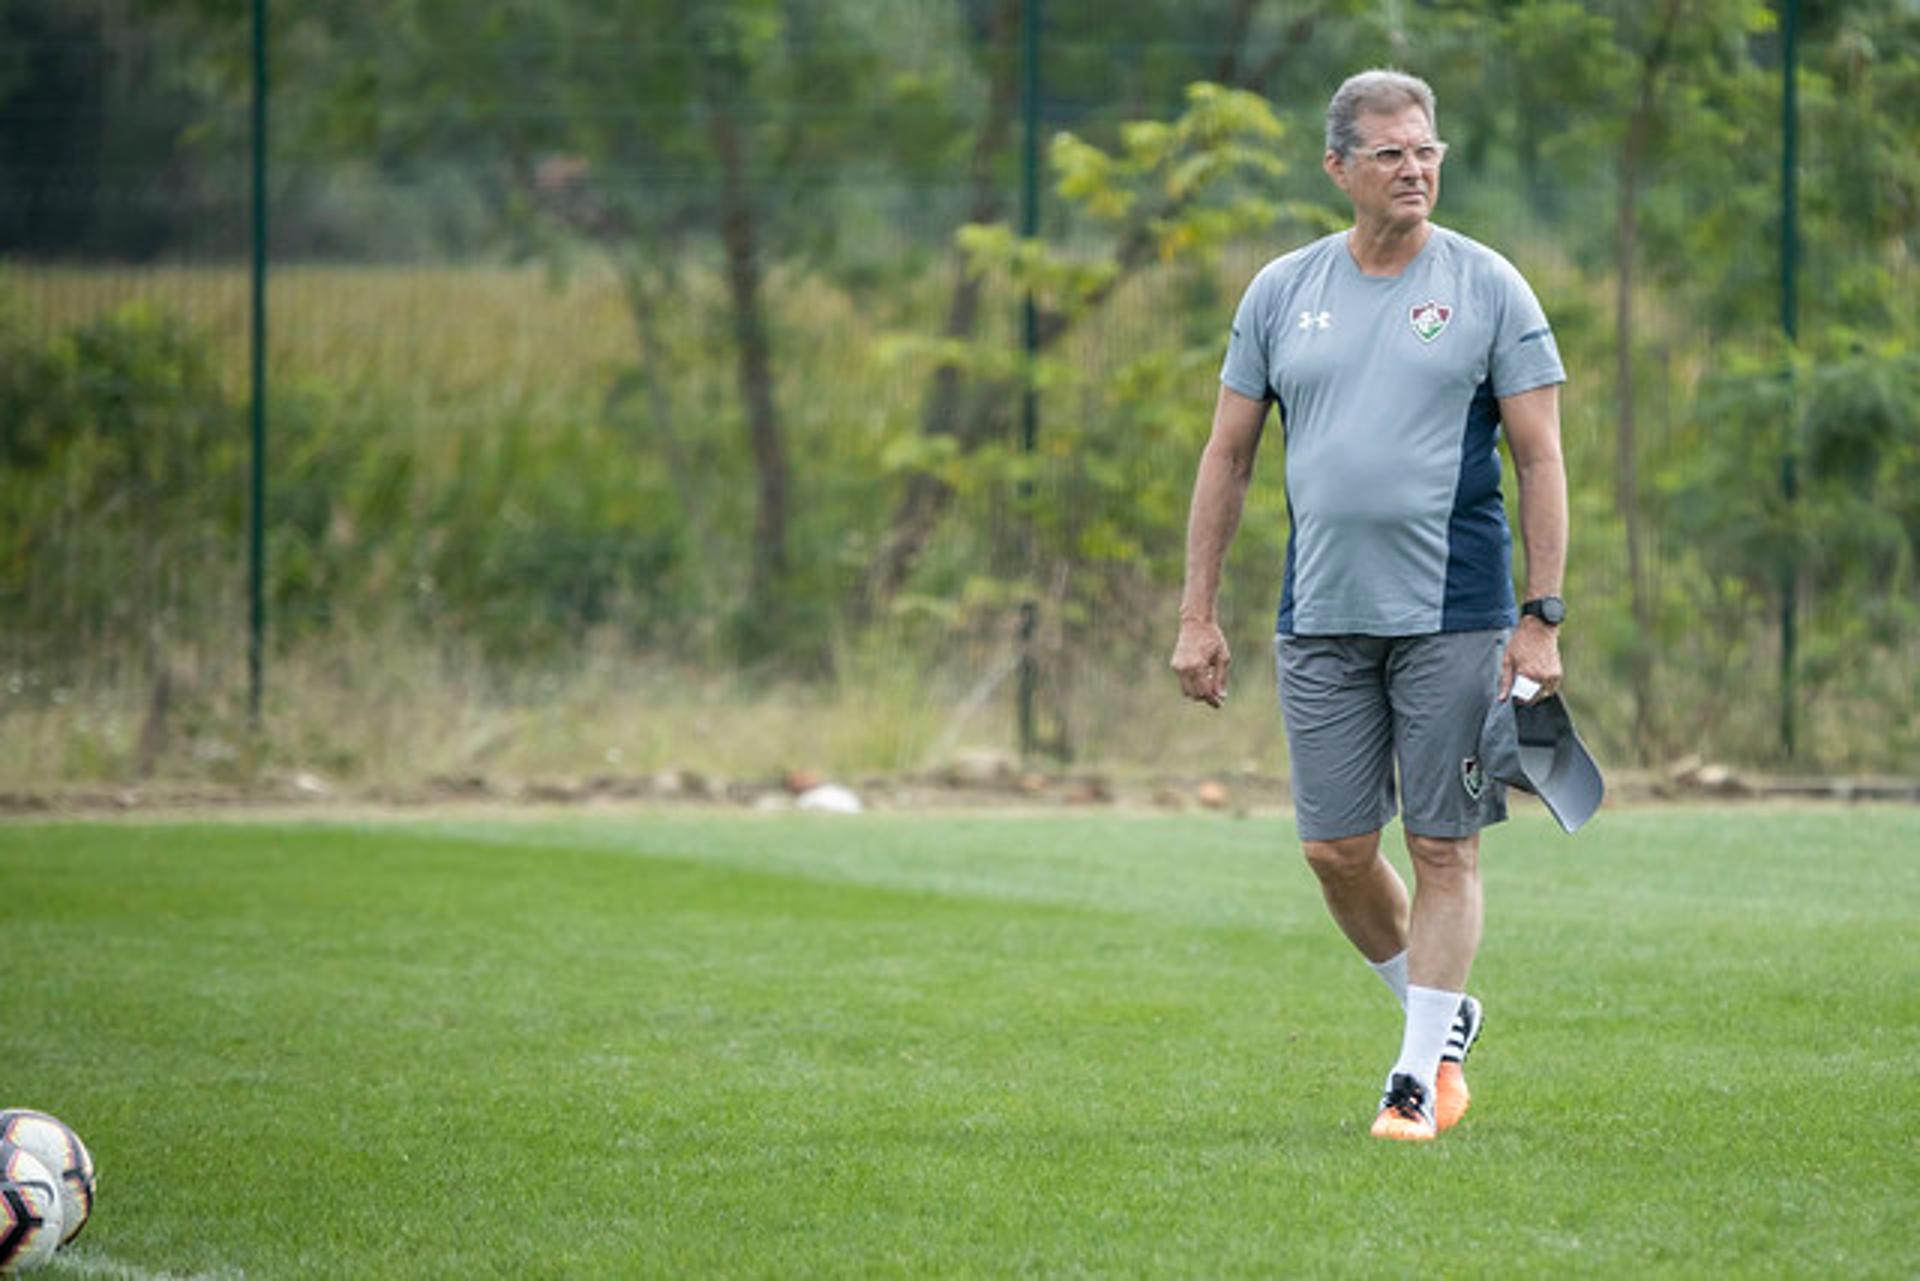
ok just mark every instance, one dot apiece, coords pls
pixel 1364 894
pixel 1442 940
pixel 1340 744
pixel 1444 933
pixel 1440 686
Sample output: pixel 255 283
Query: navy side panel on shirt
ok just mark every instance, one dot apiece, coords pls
pixel 1479 548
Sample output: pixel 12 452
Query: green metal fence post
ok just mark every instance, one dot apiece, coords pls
pixel 1790 326
pixel 257 495
pixel 1030 342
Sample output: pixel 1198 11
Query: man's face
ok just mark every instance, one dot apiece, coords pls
pixel 1400 196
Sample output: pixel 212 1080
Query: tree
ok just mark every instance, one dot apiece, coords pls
pixel 953 410
pixel 1138 65
pixel 1162 203
pixel 646 130
pixel 1173 188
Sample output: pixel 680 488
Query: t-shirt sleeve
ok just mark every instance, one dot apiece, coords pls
pixel 1245 370
pixel 1524 353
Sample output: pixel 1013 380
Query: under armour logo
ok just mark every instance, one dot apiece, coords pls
pixel 1316 320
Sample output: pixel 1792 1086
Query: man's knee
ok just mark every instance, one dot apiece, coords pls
pixel 1444 856
pixel 1340 860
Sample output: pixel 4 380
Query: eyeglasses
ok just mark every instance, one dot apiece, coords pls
pixel 1388 159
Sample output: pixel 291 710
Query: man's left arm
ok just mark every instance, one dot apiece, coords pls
pixel 1531 420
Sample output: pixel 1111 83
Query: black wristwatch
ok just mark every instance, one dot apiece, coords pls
pixel 1548 609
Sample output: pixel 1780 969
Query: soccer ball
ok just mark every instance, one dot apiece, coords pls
pixel 62 1152
pixel 29 1210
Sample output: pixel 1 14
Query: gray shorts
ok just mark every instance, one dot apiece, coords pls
pixel 1356 705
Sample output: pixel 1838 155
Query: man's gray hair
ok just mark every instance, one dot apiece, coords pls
pixel 1379 91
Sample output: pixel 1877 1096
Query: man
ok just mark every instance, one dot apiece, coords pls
pixel 1396 352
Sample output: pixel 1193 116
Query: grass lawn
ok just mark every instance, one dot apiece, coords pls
pixel 917 1045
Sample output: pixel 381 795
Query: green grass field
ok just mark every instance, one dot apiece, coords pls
pixel 585 1045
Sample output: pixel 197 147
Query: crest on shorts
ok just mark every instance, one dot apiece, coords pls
pixel 1473 777
pixel 1429 318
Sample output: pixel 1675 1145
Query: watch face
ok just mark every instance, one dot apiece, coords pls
pixel 1548 609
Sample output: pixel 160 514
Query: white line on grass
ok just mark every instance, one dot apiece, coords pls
pixel 96 1265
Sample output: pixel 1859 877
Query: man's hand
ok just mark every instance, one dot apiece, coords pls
pixel 1200 659
pixel 1534 652
pixel 1219 491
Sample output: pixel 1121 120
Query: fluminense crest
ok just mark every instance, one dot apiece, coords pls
pixel 1429 319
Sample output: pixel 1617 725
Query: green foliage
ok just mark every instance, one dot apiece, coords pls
pixel 90 94
pixel 119 462
pixel 1193 184
pixel 132 391
pixel 541 538
pixel 121 441
pixel 1157 211
pixel 1850 531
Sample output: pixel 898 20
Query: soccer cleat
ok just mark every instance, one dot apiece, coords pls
pixel 1450 1095
pixel 1406 1112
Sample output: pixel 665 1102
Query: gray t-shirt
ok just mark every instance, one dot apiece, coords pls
pixel 1388 391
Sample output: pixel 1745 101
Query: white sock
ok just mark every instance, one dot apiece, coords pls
pixel 1430 1014
pixel 1393 972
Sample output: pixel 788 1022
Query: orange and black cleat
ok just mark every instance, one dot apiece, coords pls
pixel 1406 1111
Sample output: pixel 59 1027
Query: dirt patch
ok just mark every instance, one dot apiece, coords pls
pixel 962 785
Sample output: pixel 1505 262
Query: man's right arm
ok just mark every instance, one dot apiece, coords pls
pixel 1200 656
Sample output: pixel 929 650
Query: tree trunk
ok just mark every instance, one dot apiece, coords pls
pixel 1234 32
pixel 647 291
pixel 1626 477
pixel 1232 69
pixel 754 362
pixel 951 407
